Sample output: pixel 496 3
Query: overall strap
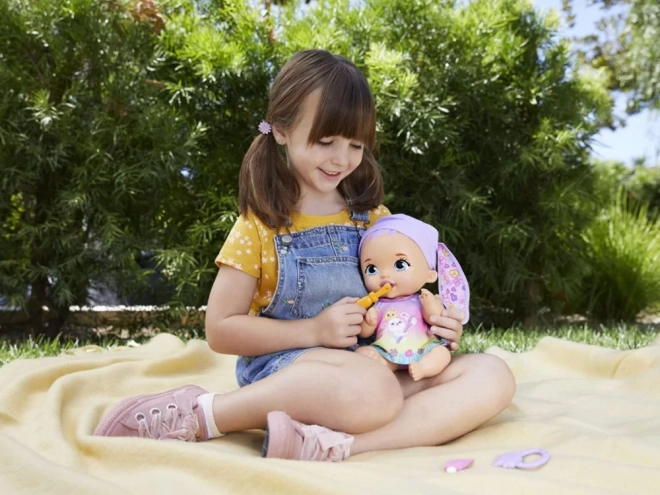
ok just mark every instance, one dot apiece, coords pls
pixel 360 216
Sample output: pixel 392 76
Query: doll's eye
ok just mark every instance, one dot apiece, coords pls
pixel 400 265
pixel 371 270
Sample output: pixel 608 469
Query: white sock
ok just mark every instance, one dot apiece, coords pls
pixel 205 401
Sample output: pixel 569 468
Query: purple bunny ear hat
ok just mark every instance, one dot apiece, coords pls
pixel 452 283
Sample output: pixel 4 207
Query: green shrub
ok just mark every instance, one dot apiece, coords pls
pixel 87 147
pixel 641 183
pixel 122 128
pixel 623 257
pixel 123 125
pixel 216 65
pixel 484 131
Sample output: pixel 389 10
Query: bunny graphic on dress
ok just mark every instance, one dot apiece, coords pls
pixel 397 325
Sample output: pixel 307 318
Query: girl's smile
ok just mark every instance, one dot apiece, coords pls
pixel 330 175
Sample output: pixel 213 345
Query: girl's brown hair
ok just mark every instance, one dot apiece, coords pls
pixel 267 186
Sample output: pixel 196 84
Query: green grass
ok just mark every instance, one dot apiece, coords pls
pixel 474 340
pixel 619 336
pixel 41 347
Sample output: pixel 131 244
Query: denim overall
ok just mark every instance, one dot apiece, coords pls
pixel 316 268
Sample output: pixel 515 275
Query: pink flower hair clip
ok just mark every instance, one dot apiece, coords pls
pixel 264 127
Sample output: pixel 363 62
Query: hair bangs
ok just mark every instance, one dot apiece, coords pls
pixel 346 108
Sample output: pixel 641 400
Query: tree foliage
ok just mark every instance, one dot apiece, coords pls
pixel 124 123
pixel 217 65
pixel 626 46
pixel 484 132
pixel 640 183
pixel 84 135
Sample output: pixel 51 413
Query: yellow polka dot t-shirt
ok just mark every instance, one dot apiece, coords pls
pixel 250 247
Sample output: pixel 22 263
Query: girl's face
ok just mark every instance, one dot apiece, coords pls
pixel 395 259
pixel 319 167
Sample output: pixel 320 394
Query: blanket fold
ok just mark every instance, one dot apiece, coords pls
pixel 596 410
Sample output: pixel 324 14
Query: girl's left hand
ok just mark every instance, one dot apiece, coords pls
pixel 448 325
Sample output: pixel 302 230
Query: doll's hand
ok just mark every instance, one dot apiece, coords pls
pixel 447 325
pixel 371 318
pixel 339 325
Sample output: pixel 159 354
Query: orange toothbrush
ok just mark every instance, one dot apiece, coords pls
pixel 372 297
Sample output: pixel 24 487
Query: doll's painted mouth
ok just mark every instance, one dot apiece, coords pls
pixel 388 282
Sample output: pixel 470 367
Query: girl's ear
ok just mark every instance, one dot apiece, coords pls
pixel 280 137
pixel 432 277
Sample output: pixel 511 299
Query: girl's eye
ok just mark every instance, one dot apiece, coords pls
pixel 400 265
pixel 357 146
pixel 371 270
pixel 325 143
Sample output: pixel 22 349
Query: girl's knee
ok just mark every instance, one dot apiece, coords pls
pixel 386 392
pixel 373 396
pixel 500 380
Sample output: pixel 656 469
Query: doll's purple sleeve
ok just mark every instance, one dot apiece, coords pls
pixel 452 283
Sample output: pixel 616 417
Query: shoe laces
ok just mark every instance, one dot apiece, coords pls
pixel 323 444
pixel 168 425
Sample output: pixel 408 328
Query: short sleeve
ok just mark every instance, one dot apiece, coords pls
pixel 242 249
pixel 379 212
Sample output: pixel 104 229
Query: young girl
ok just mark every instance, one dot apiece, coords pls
pixel 284 298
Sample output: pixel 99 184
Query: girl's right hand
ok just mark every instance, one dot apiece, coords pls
pixel 339 325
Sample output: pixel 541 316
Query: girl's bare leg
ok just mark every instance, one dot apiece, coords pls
pixel 337 389
pixel 471 390
pixel 320 387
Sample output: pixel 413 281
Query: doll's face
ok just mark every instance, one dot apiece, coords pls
pixel 395 259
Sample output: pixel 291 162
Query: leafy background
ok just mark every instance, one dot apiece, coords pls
pixel 123 125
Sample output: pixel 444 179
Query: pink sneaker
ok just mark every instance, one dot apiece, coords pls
pixel 289 439
pixel 171 415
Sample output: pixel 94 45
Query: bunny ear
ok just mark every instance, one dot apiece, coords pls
pixel 452 283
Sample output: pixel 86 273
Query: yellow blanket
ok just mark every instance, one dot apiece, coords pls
pixel 596 410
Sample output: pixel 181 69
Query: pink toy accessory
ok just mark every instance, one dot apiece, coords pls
pixel 516 459
pixel 456 465
pixel 452 282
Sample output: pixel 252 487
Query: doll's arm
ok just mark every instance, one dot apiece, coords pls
pixel 430 306
pixel 369 323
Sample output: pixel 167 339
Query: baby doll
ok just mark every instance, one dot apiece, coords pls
pixel 402 251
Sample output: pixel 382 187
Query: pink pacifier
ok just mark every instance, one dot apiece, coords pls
pixel 516 459
pixel 456 465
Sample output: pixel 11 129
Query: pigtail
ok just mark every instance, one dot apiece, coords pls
pixel 267 186
pixel 364 188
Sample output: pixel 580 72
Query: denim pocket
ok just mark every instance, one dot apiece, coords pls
pixel 323 281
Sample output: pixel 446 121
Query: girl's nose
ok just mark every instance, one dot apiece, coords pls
pixel 341 156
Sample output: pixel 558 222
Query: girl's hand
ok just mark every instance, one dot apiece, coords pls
pixel 448 326
pixel 339 325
